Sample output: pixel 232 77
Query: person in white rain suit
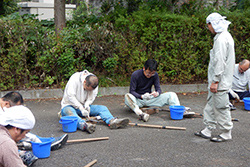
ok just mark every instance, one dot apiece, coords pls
pixel 220 77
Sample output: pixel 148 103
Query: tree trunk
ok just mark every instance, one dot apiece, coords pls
pixel 1 7
pixel 59 14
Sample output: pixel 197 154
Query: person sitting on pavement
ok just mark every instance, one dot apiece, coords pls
pixel 15 123
pixel 79 94
pixel 241 79
pixel 15 99
pixel 140 93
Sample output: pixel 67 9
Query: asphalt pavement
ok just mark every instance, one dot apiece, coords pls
pixel 141 146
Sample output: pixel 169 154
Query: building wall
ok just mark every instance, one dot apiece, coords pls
pixel 45 11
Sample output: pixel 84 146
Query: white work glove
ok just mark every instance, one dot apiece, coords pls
pixel 235 95
pixel 31 137
pixel 85 113
pixel 87 107
pixel 146 96
pixel 155 94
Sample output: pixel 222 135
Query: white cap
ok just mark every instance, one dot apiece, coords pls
pixel 219 23
pixel 19 117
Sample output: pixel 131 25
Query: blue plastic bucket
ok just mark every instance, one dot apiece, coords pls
pixel 246 101
pixel 42 150
pixel 176 112
pixel 69 123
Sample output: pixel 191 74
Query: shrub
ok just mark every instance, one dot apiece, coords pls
pixel 22 41
pixel 176 42
pixel 113 46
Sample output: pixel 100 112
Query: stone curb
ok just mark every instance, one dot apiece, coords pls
pixel 105 91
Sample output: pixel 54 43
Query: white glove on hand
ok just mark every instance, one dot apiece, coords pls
pixel 87 107
pixel 146 96
pixel 235 95
pixel 85 113
pixel 155 94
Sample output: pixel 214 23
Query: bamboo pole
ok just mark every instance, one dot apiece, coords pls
pixel 87 140
pixel 91 163
pixel 157 126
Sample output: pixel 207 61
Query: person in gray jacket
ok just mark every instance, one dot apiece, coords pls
pixel 220 77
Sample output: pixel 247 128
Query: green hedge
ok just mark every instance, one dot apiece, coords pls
pixel 33 56
pixel 180 44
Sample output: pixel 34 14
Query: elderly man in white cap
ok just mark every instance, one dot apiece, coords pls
pixel 220 77
pixel 15 123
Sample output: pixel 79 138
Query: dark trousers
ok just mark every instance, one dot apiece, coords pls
pixel 241 95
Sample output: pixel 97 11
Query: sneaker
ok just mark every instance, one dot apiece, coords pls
pixel 144 117
pixel 232 107
pixel 118 123
pixel 90 128
pixel 59 142
pixel 28 158
pixel 188 113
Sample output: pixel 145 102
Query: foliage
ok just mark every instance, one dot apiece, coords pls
pixel 114 43
pixel 118 9
pixel 8 7
pixel 85 15
pixel 242 5
pixel 176 42
pixel 21 43
pixel 240 31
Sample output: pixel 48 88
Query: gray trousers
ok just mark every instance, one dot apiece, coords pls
pixel 168 98
pixel 217 111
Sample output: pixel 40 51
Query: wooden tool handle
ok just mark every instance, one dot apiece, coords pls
pixel 86 140
pixel 235 119
pixel 157 126
pixel 198 114
pixel 91 163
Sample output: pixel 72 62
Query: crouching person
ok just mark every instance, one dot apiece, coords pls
pixel 14 125
pixel 79 94
pixel 13 99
